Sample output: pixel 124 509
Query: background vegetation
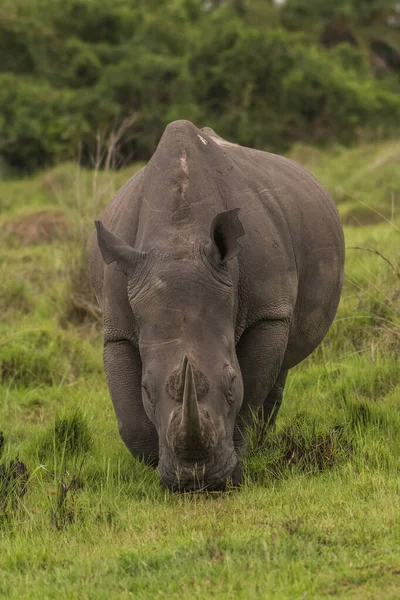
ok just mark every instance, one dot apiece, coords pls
pixel 318 514
pixel 262 74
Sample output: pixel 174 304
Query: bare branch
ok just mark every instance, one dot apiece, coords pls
pixel 394 269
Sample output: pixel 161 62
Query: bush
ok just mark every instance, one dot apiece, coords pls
pixel 69 70
pixel 296 11
pixel 270 88
pixel 41 124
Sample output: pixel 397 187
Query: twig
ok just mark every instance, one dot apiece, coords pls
pixel 394 269
pixel 375 211
pixel 81 304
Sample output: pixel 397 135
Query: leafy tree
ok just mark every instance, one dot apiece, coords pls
pixel 252 70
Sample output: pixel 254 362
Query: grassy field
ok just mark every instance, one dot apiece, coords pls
pixel 318 515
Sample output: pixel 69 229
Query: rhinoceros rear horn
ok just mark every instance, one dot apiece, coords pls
pixel 226 228
pixel 116 250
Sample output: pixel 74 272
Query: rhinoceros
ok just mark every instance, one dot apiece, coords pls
pixel 217 268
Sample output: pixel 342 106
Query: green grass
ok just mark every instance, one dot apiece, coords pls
pixel 318 514
pixel 364 181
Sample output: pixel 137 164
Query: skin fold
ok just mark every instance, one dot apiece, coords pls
pixel 217 268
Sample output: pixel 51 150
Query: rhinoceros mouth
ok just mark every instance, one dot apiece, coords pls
pixel 191 476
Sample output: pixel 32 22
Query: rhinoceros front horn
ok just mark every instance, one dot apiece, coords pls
pixel 193 434
pixel 190 423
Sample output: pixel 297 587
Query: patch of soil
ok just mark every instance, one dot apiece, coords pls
pixel 41 227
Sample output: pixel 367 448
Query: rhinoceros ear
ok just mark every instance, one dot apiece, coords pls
pixel 226 228
pixel 116 250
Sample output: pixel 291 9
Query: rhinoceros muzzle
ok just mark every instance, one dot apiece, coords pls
pixel 216 474
pixel 191 433
pixel 195 457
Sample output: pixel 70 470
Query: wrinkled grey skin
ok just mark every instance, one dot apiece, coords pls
pixel 200 329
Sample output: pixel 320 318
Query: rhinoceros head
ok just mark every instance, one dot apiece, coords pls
pixel 184 307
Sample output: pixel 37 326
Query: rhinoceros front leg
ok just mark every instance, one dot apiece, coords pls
pixel 261 352
pixel 124 377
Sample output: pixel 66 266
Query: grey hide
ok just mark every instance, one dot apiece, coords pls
pixel 217 268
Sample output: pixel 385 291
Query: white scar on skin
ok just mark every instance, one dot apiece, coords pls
pixel 148 346
pixel 158 284
pixel 185 169
pixel 222 142
pixel 150 343
pixel 202 139
pixel 155 209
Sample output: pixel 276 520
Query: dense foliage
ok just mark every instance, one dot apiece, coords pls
pixel 261 74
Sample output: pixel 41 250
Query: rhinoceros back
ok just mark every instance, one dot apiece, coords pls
pixel 293 254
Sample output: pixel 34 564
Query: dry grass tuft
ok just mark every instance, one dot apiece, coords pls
pixel 42 227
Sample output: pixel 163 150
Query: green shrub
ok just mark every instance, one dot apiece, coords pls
pixel 296 12
pixel 269 88
pixel 41 124
pixel 72 70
